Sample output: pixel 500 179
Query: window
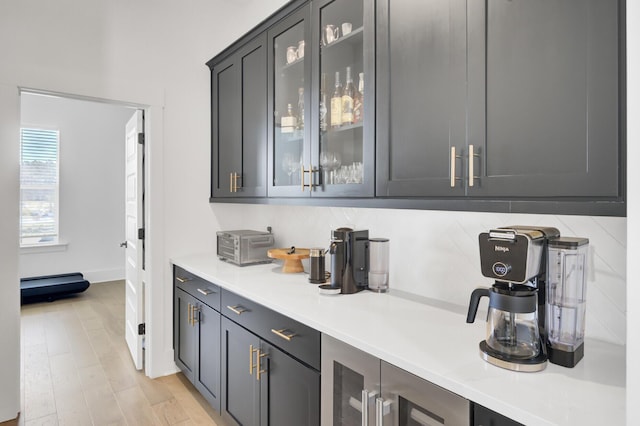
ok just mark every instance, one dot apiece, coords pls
pixel 39 170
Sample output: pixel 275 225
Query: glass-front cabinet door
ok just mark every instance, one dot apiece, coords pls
pixel 321 105
pixel 289 130
pixel 343 91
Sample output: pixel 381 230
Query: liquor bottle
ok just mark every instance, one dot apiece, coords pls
pixel 358 102
pixel 347 99
pixel 288 122
pixel 336 103
pixel 323 103
pixel 300 124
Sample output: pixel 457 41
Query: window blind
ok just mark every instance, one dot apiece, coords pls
pixel 39 171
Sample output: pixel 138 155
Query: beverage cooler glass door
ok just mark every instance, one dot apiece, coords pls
pixel 408 400
pixel 289 132
pixel 348 375
pixel 342 78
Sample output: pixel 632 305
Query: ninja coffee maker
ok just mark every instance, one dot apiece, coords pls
pixel 536 305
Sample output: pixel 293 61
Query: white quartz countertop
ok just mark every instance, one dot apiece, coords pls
pixel 434 342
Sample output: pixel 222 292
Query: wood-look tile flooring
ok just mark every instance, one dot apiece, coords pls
pixel 77 370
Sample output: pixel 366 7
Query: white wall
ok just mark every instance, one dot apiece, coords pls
pixel 9 284
pixel 91 186
pixel 153 52
pixel 633 214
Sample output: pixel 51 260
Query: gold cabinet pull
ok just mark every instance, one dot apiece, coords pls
pixel 310 171
pixel 452 159
pixel 238 309
pixel 281 333
pixel 194 313
pixel 205 291
pixel 251 364
pixel 259 370
pixel 472 156
pixel 189 306
pixel 233 181
pixel 182 280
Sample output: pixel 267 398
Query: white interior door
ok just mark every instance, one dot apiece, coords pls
pixel 134 249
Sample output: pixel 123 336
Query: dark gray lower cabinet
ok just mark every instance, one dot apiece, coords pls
pixel 262 384
pixel 484 417
pixel 196 333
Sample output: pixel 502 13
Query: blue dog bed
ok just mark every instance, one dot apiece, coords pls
pixel 51 287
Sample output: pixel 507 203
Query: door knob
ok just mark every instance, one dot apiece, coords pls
pixel 123 244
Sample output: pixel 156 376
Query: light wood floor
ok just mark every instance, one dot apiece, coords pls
pixel 76 369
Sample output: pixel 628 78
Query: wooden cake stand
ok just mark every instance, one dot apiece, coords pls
pixel 292 261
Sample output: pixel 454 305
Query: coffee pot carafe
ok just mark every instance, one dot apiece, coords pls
pixel 512 324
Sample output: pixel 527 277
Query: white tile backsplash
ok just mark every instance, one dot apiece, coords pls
pixel 435 253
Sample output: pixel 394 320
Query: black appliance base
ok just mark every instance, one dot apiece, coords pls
pixel 565 358
pixel 528 365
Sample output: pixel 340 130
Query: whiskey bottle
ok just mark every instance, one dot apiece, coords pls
pixel 300 124
pixel 336 103
pixel 358 102
pixel 288 122
pixel 347 99
pixel 323 103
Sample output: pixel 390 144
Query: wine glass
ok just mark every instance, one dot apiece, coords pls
pixel 325 164
pixel 288 164
pixel 336 161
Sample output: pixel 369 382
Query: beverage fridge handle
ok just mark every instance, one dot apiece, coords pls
pixel 364 408
pixel 382 409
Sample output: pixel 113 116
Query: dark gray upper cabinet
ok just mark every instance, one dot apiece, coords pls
pixel 313 154
pixel 421 96
pixel 507 99
pixel 239 122
pixel 483 105
pixel 544 98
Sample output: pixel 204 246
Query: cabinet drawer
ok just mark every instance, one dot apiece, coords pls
pixel 291 336
pixel 201 289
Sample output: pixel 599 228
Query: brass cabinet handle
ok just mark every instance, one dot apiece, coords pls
pixel 472 155
pixel 182 280
pixel 251 364
pixel 233 181
pixel 206 291
pixel 259 370
pixel 238 309
pixel 452 159
pixel 189 306
pixel 236 176
pixel 281 333
pixel 310 171
pixel 194 312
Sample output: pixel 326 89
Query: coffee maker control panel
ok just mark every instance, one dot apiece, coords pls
pixel 513 254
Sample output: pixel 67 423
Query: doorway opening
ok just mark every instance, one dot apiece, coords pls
pixel 89 208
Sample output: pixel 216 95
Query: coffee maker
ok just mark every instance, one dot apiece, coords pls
pixel 536 305
pixel 515 257
pixel 349 252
